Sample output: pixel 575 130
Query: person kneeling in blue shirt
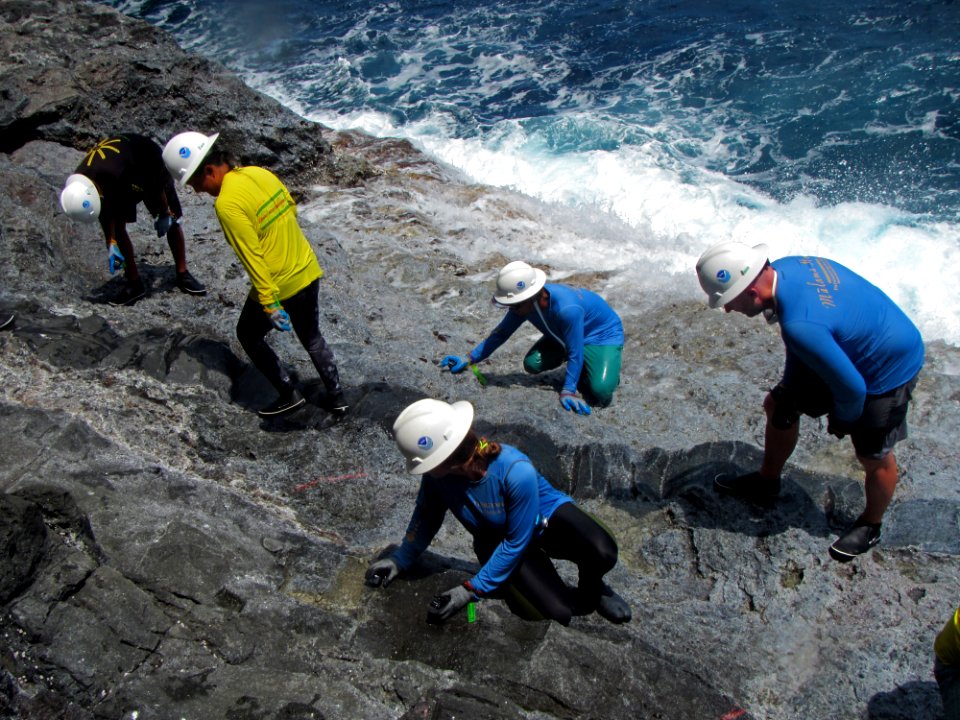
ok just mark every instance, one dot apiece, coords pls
pixel 852 355
pixel 518 520
pixel 578 327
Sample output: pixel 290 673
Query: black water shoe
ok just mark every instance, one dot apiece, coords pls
pixel 283 405
pixel 337 403
pixel 130 294
pixel 751 486
pixel 612 607
pixel 5 321
pixel 189 284
pixel 855 541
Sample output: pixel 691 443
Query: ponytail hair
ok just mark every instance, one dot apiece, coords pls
pixel 486 452
pixel 474 454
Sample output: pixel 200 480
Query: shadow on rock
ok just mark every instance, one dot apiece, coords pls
pixel 431 563
pixel 89 342
pixel 65 340
pixel 930 525
pixel 540 447
pixel 398 629
pixel 521 659
pixel 798 505
pixel 381 402
pixel 103 294
pixel 179 357
pixel 549 380
pixel 912 701
pixel 157 280
pixel 683 480
pixel 22 538
pixel 819 504
pixel 375 402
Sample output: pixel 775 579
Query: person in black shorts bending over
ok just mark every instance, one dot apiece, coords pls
pixel 114 177
pixel 852 355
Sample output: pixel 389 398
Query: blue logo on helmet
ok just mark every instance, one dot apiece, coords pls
pixel 521 285
pixel 86 204
pixel 184 152
pixel 425 443
pixel 723 276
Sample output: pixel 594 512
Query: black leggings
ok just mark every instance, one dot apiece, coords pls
pixel 570 535
pixel 304 311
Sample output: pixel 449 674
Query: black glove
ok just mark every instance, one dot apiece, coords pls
pixel 838 428
pixel 163 224
pixel 446 604
pixel 381 573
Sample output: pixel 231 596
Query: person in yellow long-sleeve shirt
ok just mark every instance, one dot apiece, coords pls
pixel 259 220
pixel 946 666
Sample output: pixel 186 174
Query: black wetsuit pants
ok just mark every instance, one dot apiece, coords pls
pixel 535 585
pixel 303 309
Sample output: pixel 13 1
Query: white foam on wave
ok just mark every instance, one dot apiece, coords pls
pixel 640 205
pixel 663 213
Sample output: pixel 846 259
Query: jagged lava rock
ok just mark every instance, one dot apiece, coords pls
pixel 167 554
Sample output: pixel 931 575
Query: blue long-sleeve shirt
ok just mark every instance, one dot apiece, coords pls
pixel 846 330
pixel 574 318
pixel 511 501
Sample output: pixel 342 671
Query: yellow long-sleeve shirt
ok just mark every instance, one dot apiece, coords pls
pixel 259 219
pixel 947 644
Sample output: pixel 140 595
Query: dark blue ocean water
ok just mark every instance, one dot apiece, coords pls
pixel 815 127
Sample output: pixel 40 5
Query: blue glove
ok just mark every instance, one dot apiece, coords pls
pixel 456 364
pixel 163 224
pixel 444 605
pixel 381 573
pixel 570 401
pixel 278 317
pixel 115 259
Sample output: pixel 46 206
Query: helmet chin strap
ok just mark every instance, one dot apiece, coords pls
pixel 771 313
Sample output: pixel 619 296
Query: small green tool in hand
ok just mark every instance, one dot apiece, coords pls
pixel 480 378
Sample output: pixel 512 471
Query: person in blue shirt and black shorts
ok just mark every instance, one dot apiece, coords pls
pixel 851 354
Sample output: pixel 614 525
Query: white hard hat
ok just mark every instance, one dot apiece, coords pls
pixel 517 282
pixel 428 431
pixel 728 268
pixel 80 199
pixel 184 153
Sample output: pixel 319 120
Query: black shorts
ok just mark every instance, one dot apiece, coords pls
pixel 149 201
pixel 882 424
pixel 128 168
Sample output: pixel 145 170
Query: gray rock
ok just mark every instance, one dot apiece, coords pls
pixel 22 538
pixel 168 554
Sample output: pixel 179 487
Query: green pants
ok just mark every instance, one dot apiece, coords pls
pixel 601 367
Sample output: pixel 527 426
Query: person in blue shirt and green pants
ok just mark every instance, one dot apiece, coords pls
pixel 578 327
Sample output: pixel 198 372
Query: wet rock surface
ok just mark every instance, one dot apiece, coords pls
pixel 165 553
